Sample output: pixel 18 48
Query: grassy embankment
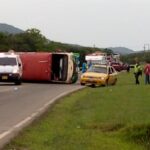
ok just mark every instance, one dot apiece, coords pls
pixel 103 118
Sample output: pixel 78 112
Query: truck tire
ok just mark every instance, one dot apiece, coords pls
pixel 18 82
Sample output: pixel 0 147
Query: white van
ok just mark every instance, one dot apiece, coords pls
pixel 10 68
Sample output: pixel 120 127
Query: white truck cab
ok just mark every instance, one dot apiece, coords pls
pixel 10 68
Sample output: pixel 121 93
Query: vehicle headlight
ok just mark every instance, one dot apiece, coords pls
pixel 102 78
pixel 15 70
pixel 83 76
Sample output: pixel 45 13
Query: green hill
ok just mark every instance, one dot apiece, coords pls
pixel 121 50
pixel 9 29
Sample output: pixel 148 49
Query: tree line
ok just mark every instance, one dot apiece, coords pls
pixel 33 41
pixel 143 56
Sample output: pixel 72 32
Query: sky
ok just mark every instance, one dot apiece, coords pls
pixel 99 23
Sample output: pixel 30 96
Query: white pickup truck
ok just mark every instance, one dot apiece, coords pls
pixel 10 68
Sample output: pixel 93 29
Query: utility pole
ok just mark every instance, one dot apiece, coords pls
pixel 146 46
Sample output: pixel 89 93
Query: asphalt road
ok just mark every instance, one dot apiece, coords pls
pixel 19 105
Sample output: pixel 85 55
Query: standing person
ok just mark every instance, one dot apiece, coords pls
pixel 84 67
pixel 147 72
pixel 89 64
pixel 128 68
pixel 137 72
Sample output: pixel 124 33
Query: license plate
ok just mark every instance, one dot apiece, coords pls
pixel 4 77
pixel 91 81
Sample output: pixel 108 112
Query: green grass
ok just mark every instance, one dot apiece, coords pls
pixel 104 118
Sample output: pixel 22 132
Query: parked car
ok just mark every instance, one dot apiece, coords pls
pixel 10 68
pixel 99 75
pixel 118 67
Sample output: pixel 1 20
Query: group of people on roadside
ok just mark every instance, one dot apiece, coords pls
pixel 138 72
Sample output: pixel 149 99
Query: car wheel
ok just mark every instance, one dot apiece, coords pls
pixel 18 82
pixel 114 82
pixel 82 84
pixel 93 85
pixel 106 83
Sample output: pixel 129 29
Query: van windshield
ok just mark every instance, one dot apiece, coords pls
pixel 8 61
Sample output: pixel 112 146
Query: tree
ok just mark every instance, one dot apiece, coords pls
pixel 3 41
pixel 35 40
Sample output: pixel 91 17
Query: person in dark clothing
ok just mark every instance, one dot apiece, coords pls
pixel 137 72
pixel 84 67
pixel 128 68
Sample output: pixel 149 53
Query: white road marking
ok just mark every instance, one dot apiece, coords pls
pixel 33 115
pixel 5 134
pixel 22 122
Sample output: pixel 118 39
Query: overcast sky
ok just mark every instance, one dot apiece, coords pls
pixel 103 23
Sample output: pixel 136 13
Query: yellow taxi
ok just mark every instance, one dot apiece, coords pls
pixel 99 75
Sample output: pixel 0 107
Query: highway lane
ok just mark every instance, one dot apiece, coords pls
pixel 19 105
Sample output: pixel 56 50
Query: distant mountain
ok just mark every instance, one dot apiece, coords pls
pixel 9 29
pixel 121 50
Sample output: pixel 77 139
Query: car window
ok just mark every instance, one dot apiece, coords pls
pixel 19 61
pixel 110 70
pixel 8 61
pixel 97 69
pixel 114 70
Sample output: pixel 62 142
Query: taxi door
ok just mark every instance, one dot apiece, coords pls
pixel 112 76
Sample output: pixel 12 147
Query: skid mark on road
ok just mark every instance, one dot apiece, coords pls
pixel 7 88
